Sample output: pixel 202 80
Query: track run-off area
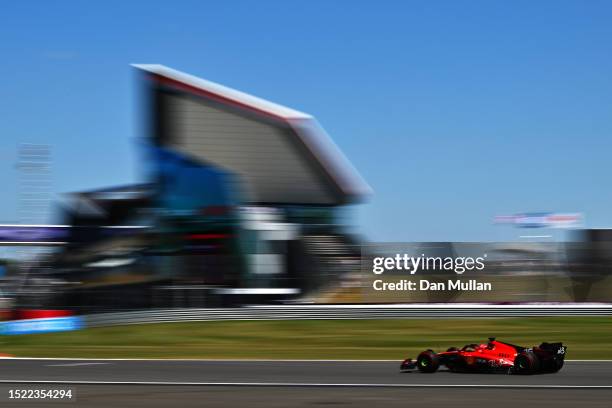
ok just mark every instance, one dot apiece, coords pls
pixel 291 373
pixel 101 383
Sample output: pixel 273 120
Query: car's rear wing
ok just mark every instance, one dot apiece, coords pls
pixel 557 349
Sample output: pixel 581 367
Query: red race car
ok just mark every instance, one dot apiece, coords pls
pixel 493 356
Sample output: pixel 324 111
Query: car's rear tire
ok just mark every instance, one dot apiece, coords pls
pixel 428 362
pixel 557 364
pixel 526 363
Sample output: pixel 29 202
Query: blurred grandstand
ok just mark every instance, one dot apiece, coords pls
pixel 242 202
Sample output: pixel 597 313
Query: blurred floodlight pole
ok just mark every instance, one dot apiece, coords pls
pixel 34 167
pixel 35 187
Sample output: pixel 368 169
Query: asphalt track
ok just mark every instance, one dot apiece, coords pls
pixel 299 383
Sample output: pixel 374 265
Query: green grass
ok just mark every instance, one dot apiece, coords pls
pixel 587 338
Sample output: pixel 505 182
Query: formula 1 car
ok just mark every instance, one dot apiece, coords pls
pixel 494 356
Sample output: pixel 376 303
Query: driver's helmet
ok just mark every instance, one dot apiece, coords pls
pixel 470 347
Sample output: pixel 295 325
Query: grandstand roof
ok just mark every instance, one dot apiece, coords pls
pixel 283 154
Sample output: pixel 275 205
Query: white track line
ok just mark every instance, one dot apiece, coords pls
pixel 230 360
pixel 290 384
pixel 247 360
pixel 76 364
pixel 432 306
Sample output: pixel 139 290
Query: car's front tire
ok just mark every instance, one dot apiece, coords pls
pixel 428 362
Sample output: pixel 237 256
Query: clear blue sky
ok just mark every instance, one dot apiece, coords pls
pixel 453 111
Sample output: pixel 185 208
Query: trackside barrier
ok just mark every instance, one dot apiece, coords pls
pixel 328 312
pixel 41 325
